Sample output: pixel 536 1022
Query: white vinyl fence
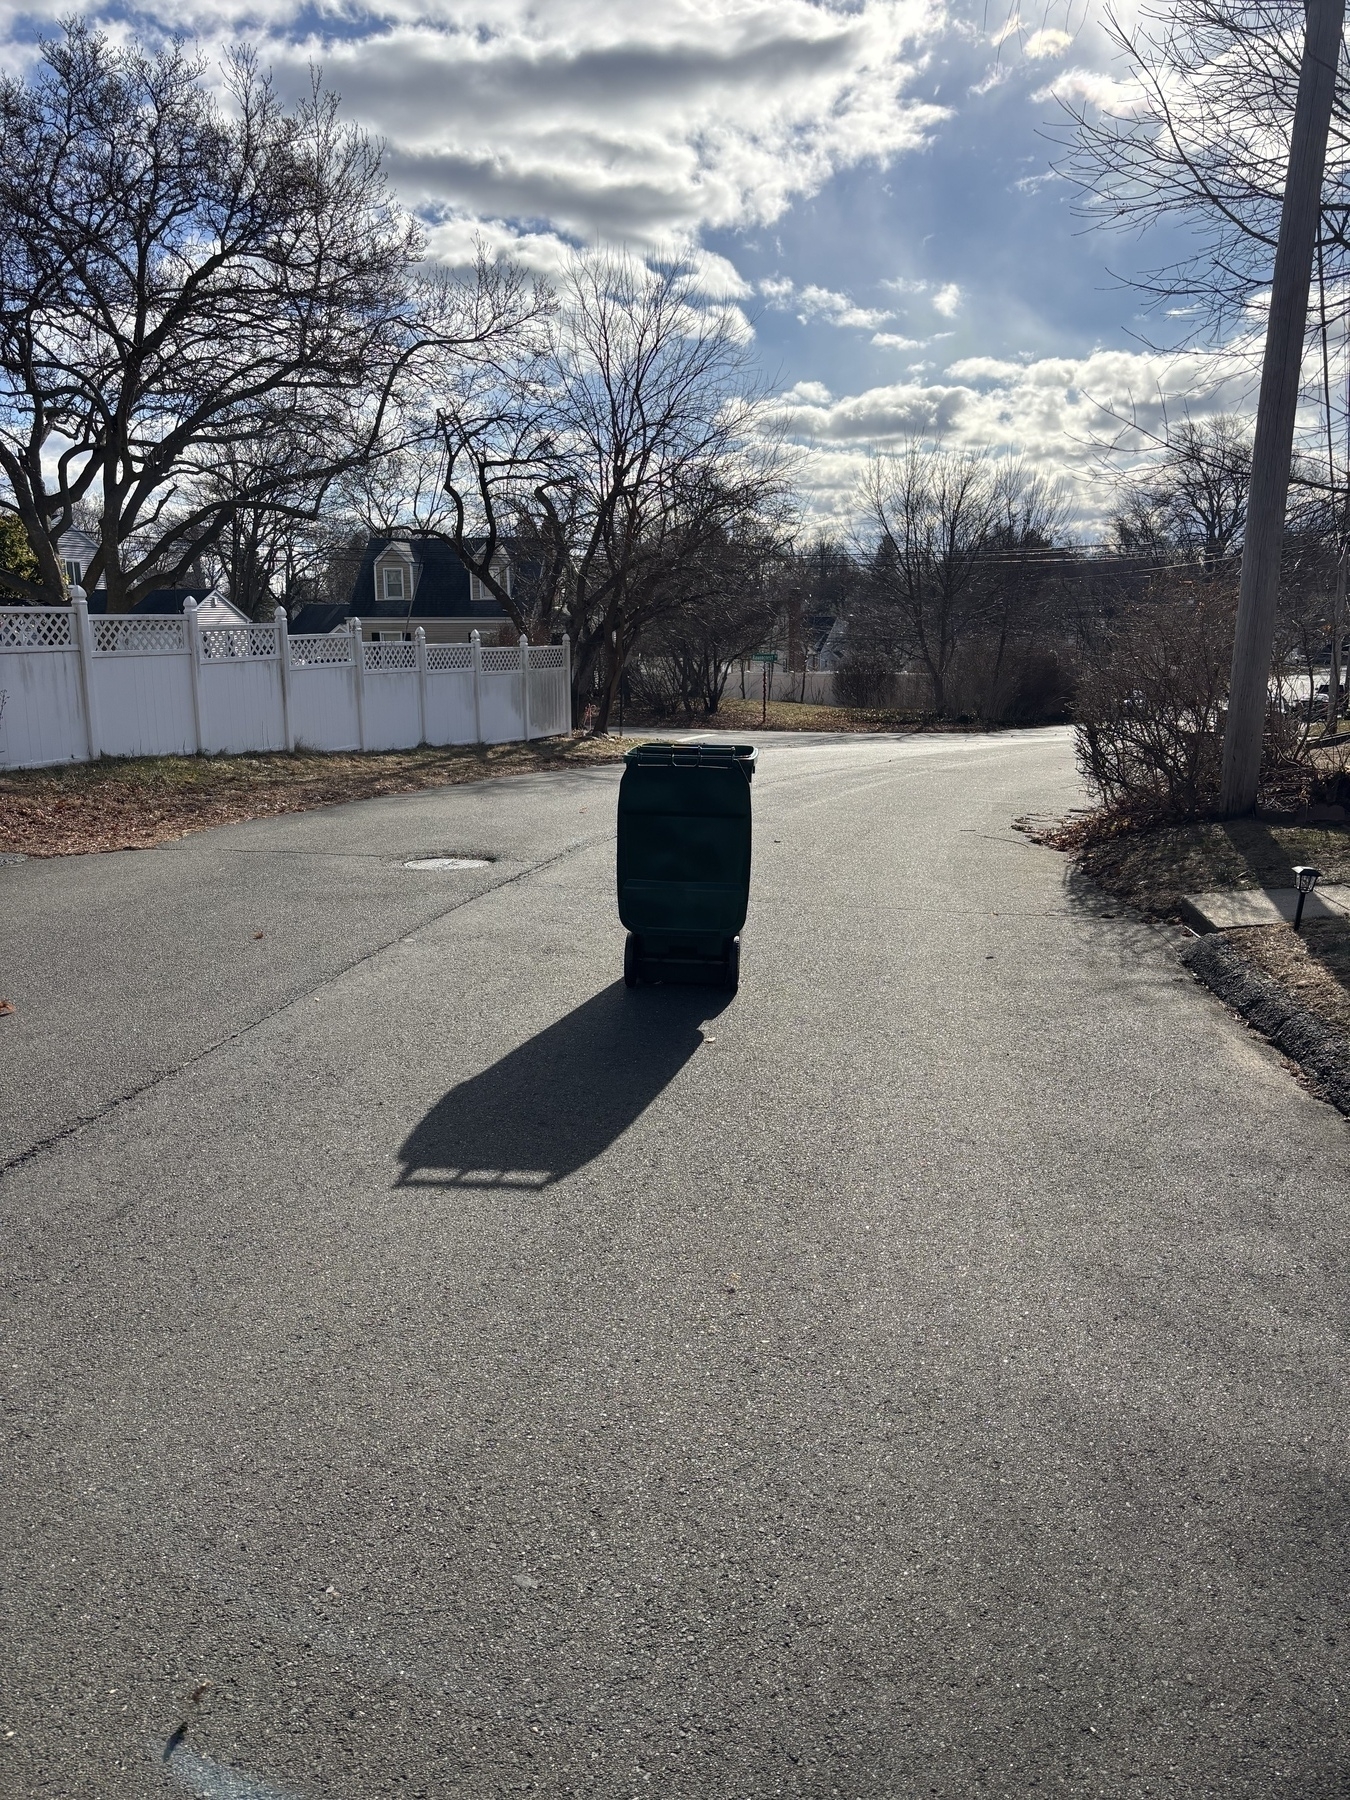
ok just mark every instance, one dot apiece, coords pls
pixel 74 687
pixel 816 687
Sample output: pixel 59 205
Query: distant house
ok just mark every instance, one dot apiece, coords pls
pixel 213 606
pixel 76 550
pixel 828 643
pixel 404 582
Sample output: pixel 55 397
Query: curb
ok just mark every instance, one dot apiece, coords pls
pixel 1320 1050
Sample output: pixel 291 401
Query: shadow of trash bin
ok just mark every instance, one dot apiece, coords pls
pixel 559 1100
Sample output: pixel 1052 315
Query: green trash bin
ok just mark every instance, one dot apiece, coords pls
pixel 684 861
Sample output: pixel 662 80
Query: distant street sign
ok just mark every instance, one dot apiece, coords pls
pixel 765 656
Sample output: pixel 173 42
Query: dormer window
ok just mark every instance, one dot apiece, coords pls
pixel 395 587
pixel 479 591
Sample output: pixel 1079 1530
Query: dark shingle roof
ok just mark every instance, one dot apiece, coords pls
pixel 158 600
pixel 440 590
pixel 319 616
pixel 441 585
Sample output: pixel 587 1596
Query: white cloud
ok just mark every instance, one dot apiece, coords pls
pixel 994 79
pixel 533 127
pixel 1046 43
pixel 1032 184
pixel 1057 412
pixel 813 302
pixel 812 393
pixel 1095 89
pixel 624 122
pixel 717 277
pixel 947 300
pixel 454 240
pixel 839 309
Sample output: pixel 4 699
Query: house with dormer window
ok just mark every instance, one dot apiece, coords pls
pixel 76 549
pixel 404 582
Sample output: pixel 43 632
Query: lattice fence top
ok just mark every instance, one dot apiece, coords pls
pixel 391 656
pixel 547 656
pixel 31 628
pixel 127 636
pixel 501 659
pixel 319 649
pixel 222 641
pixel 449 656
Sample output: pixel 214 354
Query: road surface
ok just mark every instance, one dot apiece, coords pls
pixel 430 1369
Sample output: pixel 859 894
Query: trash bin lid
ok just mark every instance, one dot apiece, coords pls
pixel 664 755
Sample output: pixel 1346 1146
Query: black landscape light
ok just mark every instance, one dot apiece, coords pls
pixel 1307 878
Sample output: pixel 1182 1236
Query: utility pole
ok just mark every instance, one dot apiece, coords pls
pixel 1278 402
pixel 1337 632
pixel 1340 524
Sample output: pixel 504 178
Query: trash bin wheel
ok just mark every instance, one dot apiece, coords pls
pixel 732 974
pixel 630 961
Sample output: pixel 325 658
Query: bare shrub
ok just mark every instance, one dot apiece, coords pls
pixel 1029 684
pixel 1150 704
pixel 864 678
pixel 654 683
pixel 1042 690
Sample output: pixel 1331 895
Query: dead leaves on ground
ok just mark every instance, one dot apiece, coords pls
pixel 135 805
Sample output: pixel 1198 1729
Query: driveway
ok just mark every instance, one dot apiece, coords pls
pixel 433 1370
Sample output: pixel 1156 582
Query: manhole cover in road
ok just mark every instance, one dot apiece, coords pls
pixel 448 862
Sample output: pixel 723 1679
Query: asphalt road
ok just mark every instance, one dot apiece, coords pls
pixel 923 1375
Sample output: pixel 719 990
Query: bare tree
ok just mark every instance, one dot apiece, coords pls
pixel 1199 134
pixel 319 560
pixel 190 297
pixel 930 516
pixel 617 453
pixel 506 476
pixel 731 602
pixel 1191 499
pixel 402 490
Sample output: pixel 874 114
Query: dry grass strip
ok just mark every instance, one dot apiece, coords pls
pixel 134 803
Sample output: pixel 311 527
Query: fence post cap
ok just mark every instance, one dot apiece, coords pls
pixel 474 637
pixel 420 635
pixel 280 616
pixel 189 605
pixel 524 641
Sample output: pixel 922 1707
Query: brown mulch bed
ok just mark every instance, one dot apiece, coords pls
pixel 1151 868
pixel 134 803
pixel 1312 965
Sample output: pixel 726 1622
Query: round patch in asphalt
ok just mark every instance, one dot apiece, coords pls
pixel 448 862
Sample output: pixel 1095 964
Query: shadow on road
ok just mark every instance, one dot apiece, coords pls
pixel 555 1103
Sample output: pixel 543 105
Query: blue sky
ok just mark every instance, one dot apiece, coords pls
pixel 868 181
